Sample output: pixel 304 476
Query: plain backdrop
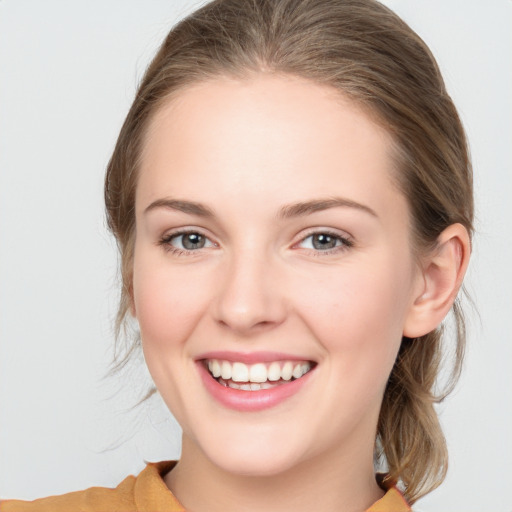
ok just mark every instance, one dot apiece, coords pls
pixel 68 72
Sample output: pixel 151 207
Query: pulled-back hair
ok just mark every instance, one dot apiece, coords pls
pixel 367 53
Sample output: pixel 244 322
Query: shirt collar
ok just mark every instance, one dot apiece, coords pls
pixel 152 495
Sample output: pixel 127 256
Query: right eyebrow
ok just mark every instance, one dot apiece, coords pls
pixel 182 206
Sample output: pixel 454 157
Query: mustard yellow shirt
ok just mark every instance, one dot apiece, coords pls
pixel 147 493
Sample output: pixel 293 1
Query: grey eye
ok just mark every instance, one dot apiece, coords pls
pixel 323 241
pixel 191 241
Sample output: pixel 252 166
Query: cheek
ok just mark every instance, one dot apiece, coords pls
pixel 168 305
pixel 359 313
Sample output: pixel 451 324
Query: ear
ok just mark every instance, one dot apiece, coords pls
pixel 442 274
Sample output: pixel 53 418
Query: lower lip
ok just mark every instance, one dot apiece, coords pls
pixel 251 401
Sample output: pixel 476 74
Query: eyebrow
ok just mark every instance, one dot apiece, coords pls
pixel 317 205
pixel 288 211
pixel 182 206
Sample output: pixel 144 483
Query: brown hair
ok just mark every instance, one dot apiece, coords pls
pixel 366 52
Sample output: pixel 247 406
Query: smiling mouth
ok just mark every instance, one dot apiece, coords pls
pixel 255 377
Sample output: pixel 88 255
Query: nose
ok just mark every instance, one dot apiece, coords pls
pixel 250 295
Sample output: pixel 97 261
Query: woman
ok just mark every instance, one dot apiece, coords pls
pixel 292 197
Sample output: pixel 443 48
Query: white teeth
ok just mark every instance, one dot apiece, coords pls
pixel 226 370
pixel 297 371
pixel 286 372
pixel 239 372
pixel 258 373
pixel 274 372
pixel 215 368
pixel 253 386
pixel 261 375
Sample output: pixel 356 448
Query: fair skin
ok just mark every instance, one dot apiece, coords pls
pixel 296 251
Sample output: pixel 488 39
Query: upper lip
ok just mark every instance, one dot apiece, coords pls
pixel 251 357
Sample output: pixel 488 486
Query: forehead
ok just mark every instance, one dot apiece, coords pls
pixel 265 136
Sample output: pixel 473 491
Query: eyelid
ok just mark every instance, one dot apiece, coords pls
pixel 165 240
pixel 346 239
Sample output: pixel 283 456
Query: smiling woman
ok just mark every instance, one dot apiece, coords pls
pixel 297 282
pixel 292 197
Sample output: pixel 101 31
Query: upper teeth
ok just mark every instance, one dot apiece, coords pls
pixel 259 372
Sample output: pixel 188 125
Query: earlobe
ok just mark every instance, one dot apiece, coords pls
pixel 443 272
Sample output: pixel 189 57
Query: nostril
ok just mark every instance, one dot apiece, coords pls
pixel 247 328
pixel 248 298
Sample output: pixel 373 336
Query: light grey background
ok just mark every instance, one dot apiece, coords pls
pixel 68 72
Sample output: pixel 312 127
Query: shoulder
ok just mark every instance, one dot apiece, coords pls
pixel 146 492
pixel 95 498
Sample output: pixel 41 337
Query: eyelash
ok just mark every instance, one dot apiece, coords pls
pixel 346 243
pixel 166 240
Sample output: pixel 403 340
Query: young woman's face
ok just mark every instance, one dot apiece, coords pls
pixel 272 250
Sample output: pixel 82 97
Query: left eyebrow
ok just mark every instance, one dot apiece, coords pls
pixel 317 205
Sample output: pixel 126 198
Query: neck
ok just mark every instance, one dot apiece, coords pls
pixel 332 482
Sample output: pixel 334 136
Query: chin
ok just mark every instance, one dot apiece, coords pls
pixel 253 455
pixel 256 466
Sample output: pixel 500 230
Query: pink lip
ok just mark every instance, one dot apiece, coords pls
pixel 250 401
pixel 250 357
